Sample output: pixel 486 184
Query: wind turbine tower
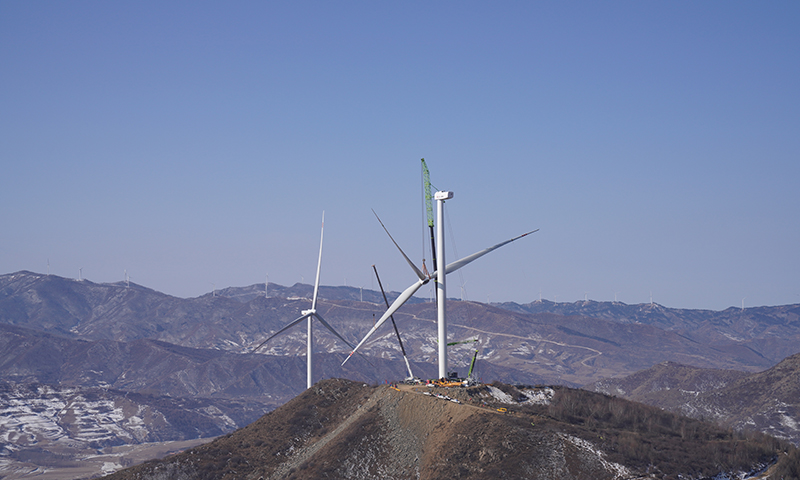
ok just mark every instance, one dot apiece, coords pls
pixel 442 269
pixel 309 315
pixel 441 281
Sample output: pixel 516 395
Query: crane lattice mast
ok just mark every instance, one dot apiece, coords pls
pixel 426 189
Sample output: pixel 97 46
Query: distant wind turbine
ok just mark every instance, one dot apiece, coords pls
pixel 309 315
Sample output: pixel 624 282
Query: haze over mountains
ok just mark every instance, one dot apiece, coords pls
pixel 59 332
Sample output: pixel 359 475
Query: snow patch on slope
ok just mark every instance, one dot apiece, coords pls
pixel 618 471
pixel 500 395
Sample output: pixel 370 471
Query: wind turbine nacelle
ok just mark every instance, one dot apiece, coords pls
pixel 308 312
pixel 443 195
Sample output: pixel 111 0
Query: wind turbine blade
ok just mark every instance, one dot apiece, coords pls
pixel 460 263
pixel 397 304
pixel 399 340
pixel 294 322
pixel 322 320
pixel 396 332
pixel 319 263
pixel 414 267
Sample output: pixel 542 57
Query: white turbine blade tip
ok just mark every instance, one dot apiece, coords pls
pixel 417 271
pixel 348 358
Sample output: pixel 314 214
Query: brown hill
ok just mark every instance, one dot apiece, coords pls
pixel 768 401
pixel 344 429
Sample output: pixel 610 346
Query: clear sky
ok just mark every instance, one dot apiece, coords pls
pixel 196 144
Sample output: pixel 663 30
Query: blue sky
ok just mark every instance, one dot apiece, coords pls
pixel 196 144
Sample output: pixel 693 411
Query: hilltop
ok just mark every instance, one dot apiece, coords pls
pixel 344 429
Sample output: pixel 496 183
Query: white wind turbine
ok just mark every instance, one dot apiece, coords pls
pixel 440 274
pixel 309 315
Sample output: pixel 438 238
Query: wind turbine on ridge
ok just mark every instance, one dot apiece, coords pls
pixel 440 274
pixel 309 315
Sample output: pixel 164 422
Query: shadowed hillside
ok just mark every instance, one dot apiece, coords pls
pixel 768 401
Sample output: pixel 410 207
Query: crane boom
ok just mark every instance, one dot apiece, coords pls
pixel 470 378
pixel 426 188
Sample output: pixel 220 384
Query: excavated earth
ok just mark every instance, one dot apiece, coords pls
pixel 342 429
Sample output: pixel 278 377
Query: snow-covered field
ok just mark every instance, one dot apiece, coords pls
pixel 44 427
pixel 63 415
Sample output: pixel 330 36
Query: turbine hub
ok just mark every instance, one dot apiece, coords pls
pixel 310 311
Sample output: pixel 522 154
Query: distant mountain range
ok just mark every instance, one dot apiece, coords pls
pixel 63 332
pixel 764 330
pixel 557 343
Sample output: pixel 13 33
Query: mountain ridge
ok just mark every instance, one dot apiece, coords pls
pixel 115 311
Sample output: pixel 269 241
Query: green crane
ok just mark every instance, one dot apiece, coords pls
pixel 426 190
pixel 470 378
pixel 472 364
